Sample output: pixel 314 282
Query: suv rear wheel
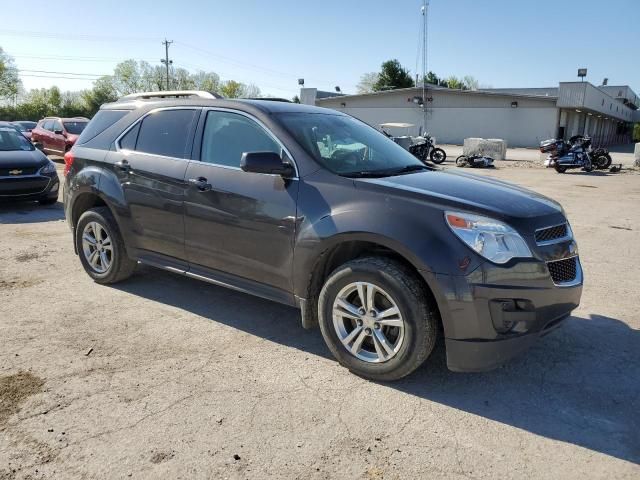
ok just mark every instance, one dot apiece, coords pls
pixel 101 247
pixel 377 319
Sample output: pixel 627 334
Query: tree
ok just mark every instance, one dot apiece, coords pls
pixel 367 82
pixel 9 80
pixel 392 76
pixel 103 91
pixel 454 82
pixel 432 78
pixel 233 89
pixel 295 99
pixel 470 82
pixel 207 81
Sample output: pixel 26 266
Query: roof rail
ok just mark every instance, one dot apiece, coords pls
pixel 172 94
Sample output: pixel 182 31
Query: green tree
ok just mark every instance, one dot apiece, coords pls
pixel 432 78
pixel 454 82
pixel 392 76
pixel 103 91
pixel 9 80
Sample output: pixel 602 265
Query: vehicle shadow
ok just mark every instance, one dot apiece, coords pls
pixel 580 384
pixel 30 212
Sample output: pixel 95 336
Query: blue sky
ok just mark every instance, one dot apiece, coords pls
pixel 272 43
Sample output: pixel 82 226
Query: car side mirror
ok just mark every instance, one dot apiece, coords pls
pixel 58 132
pixel 265 162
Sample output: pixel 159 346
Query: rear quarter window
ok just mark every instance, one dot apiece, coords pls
pixel 99 123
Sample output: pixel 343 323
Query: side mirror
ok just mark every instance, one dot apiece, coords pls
pixel 59 132
pixel 38 145
pixel 265 162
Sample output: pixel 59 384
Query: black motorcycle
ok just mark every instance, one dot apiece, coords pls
pixel 557 148
pixel 578 156
pixel 423 149
pixel 420 147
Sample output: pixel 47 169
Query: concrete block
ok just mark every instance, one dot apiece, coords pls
pixel 636 155
pixel 493 147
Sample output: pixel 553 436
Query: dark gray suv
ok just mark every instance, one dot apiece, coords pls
pixel 312 208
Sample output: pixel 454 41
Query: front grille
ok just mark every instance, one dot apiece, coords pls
pixel 22 186
pixel 551 233
pixel 563 271
pixel 4 171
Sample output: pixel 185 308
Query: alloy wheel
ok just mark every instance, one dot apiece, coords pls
pixel 97 247
pixel 368 322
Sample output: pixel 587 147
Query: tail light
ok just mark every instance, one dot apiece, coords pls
pixel 68 161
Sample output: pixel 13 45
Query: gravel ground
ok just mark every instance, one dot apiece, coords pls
pixel 165 377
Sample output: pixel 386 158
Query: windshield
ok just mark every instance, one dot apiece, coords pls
pixel 11 139
pixel 25 126
pixel 349 147
pixel 75 128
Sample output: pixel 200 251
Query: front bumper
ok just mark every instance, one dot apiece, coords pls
pixel 496 313
pixel 29 187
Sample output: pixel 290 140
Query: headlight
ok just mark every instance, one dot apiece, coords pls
pixel 494 240
pixel 49 168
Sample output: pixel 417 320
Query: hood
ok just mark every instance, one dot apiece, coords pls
pixel 22 158
pixel 469 192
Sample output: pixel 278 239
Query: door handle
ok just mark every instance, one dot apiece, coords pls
pixel 123 165
pixel 200 183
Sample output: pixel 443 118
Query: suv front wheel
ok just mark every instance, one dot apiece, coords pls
pixel 377 319
pixel 101 248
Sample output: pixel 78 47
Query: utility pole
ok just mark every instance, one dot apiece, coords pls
pixel 424 10
pixel 166 60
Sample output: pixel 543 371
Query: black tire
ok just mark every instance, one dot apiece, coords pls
pixel 121 266
pixel 438 155
pixel 600 162
pixel 462 161
pixel 416 306
pixel 560 168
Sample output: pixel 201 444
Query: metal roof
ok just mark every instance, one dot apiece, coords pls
pixel 415 90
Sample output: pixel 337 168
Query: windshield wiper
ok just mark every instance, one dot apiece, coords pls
pixel 388 172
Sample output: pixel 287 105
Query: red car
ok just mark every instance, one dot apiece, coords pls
pixel 57 135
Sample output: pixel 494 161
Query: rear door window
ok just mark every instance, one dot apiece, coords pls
pixel 48 125
pixel 167 133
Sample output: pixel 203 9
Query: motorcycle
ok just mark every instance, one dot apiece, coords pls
pixel 474 161
pixel 421 147
pixel 557 148
pixel 563 156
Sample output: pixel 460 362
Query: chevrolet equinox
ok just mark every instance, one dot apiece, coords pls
pixel 315 209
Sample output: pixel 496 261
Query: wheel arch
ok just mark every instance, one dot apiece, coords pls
pixel 342 248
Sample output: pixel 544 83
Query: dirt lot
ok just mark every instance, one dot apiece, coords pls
pixel 166 377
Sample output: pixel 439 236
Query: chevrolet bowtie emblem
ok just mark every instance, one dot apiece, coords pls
pixel 15 172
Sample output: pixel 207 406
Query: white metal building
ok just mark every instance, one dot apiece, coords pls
pixel 523 117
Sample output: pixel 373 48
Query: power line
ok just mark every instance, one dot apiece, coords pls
pixel 66 73
pixel 80 59
pixel 100 38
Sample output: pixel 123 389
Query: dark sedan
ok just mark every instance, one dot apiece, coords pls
pixel 25 172
pixel 25 127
